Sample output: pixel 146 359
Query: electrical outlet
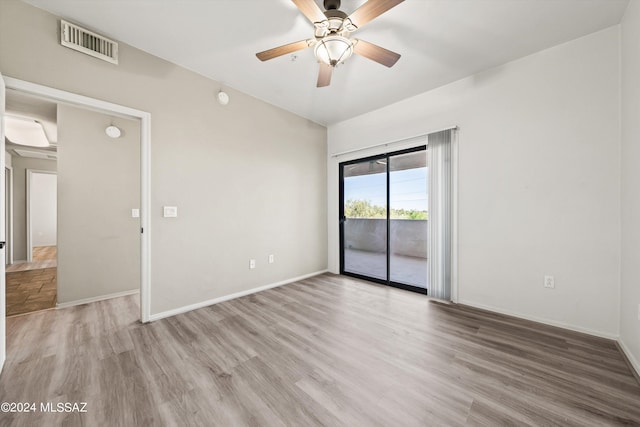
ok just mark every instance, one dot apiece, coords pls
pixel 549 282
pixel 252 263
pixel 271 259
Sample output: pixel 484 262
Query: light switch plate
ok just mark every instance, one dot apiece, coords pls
pixel 135 213
pixel 170 211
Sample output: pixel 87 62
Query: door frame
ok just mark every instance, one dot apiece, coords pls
pixel 8 176
pixel 92 104
pixel 3 292
pixel 342 219
pixel 30 172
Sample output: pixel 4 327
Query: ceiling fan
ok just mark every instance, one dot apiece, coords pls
pixel 331 42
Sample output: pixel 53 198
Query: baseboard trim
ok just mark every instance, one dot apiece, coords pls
pixel 96 299
pixel 191 307
pixel 633 363
pixel 562 325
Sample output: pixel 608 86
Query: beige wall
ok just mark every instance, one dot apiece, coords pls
pixel 20 166
pixel 249 179
pixel 539 180
pixel 630 274
pixel 98 185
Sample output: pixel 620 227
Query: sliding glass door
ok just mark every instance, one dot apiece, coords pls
pixel 408 220
pixel 384 219
pixel 364 218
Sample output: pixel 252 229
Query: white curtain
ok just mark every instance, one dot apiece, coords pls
pixel 440 211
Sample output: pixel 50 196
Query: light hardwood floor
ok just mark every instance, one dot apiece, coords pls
pixel 330 351
pixel 42 257
pixel 43 253
pixel 31 290
pixel 32 286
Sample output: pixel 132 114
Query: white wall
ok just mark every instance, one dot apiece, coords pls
pixel 249 179
pixel 539 159
pixel 20 166
pixel 98 240
pixel 43 209
pixel 630 275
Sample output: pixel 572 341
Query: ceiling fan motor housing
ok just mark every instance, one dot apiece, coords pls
pixel 331 4
pixel 333 24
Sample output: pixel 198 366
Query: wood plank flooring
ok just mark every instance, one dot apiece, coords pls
pixel 43 253
pixel 42 257
pixel 31 290
pixel 327 351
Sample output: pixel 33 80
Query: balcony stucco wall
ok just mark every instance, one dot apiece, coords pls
pixel 408 237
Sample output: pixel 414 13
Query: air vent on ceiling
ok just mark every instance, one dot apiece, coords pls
pixel 85 41
pixel 35 154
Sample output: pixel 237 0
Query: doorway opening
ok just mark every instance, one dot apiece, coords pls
pixel 31 211
pixel 31 283
pixel 138 210
pixel 384 219
pixel 42 215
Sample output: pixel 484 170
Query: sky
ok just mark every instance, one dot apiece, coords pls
pixel 408 189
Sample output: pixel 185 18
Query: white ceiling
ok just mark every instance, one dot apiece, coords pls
pixel 440 41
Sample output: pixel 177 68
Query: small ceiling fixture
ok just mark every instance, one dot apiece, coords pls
pixel 113 132
pixel 223 98
pixel 25 131
pixel 332 29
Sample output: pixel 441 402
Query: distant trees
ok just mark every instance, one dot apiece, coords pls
pixel 364 209
pixel 408 214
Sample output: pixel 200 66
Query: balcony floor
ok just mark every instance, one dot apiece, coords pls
pixel 404 269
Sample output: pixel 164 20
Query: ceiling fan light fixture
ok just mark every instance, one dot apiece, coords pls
pixel 332 29
pixel 333 50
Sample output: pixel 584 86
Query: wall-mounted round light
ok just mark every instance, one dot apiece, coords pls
pixel 113 132
pixel 223 98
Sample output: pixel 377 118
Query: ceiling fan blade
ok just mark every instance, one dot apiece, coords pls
pixel 324 76
pixel 376 53
pixel 310 9
pixel 282 50
pixel 371 10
